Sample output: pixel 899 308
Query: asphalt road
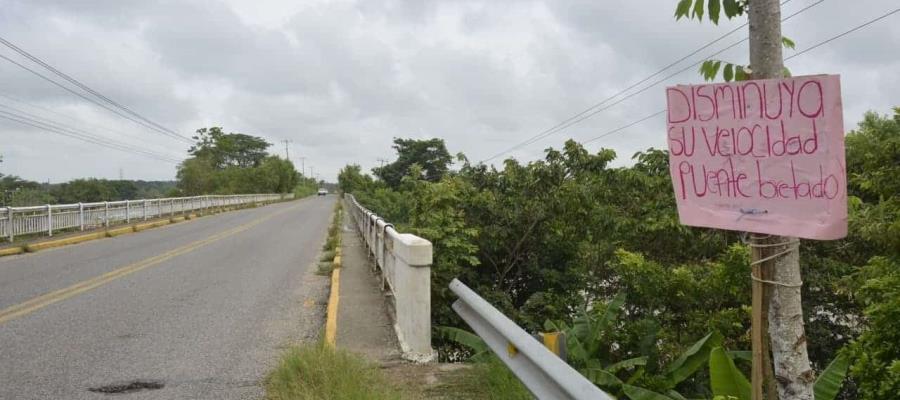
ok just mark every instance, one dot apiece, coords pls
pixel 202 307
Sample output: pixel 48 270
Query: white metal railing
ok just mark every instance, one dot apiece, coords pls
pixel 16 221
pixel 405 264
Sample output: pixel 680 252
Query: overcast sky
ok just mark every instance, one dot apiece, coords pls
pixel 342 78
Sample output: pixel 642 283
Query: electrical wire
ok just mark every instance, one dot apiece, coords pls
pixel 61 130
pixel 73 119
pixel 592 110
pixel 817 45
pixel 56 124
pixel 132 115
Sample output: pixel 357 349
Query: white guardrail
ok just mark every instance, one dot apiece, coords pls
pixel 16 221
pixel 542 372
pixel 405 264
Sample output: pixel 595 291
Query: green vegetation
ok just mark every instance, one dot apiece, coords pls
pixel 19 192
pixel 220 163
pixel 234 163
pixel 568 236
pixel 333 242
pixel 317 372
pixel 486 380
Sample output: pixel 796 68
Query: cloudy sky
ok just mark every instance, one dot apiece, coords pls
pixel 340 79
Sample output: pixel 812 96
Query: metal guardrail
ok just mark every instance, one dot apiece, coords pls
pixel 405 264
pixel 16 221
pixel 542 372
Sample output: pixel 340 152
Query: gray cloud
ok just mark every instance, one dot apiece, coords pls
pixel 342 78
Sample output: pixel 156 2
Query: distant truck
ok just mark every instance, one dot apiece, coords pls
pixel 322 192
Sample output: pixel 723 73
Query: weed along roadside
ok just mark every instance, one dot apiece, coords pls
pixel 334 368
pixel 321 370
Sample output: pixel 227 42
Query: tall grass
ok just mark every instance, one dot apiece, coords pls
pixel 319 372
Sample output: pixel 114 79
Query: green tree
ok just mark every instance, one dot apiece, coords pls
pixel 85 190
pixel 229 149
pixel 352 180
pixel 234 163
pixel 430 155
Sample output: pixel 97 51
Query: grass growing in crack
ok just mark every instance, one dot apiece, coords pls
pixel 327 255
pixel 325 268
pixel 326 259
pixel 317 371
pixel 334 230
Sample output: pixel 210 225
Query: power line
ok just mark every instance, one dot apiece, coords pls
pixel 70 118
pixel 62 130
pixel 132 115
pixel 621 128
pixel 592 110
pixel 66 88
pixel 817 45
pixel 854 29
pixel 56 124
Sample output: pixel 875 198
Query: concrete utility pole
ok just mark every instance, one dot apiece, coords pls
pixel 303 166
pixel 776 259
pixel 287 155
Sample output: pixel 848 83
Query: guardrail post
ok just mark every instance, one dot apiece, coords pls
pixel 106 213
pixel 127 211
pixel 12 226
pixel 80 216
pixel 49 220
pixel 144 212
pixel 182 206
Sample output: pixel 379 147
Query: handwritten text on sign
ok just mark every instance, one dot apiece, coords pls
pixel 762 156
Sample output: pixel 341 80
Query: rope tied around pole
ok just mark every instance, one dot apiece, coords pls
pixel 789 246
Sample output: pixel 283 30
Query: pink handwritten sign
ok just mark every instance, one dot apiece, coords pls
pixel 762 156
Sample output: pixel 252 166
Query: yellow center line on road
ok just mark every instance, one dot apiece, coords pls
pixel 45 300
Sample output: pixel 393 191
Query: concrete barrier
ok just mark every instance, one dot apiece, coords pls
pixel 404 261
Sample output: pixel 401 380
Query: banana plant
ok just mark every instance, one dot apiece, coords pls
pixel 589 342
pixel 728 382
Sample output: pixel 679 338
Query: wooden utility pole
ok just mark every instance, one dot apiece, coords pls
pixel 776 260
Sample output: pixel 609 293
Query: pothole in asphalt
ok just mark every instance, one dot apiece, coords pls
pixel 128 387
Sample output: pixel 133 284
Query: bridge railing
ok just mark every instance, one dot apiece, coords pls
pixel 404 261
pixel 45 220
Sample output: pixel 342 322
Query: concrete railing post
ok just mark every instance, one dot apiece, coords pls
pixel 127 211
pixel 49 220
pixel 106 213
pixel 145 210
pixel 11 224
pixel 412 291
pixel 81 216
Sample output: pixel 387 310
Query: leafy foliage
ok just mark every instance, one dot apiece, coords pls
pixel 233 163
pixel 599 252
pixel 430 155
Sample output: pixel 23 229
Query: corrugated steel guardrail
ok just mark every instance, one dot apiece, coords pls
pixel 542 372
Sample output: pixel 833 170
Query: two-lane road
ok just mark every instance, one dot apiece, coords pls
pixel 202 307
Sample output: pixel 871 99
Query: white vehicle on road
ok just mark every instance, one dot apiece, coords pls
pixel 322 192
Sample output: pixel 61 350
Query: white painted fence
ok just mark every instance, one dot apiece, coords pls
pixel 405 264
pixel 16 221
